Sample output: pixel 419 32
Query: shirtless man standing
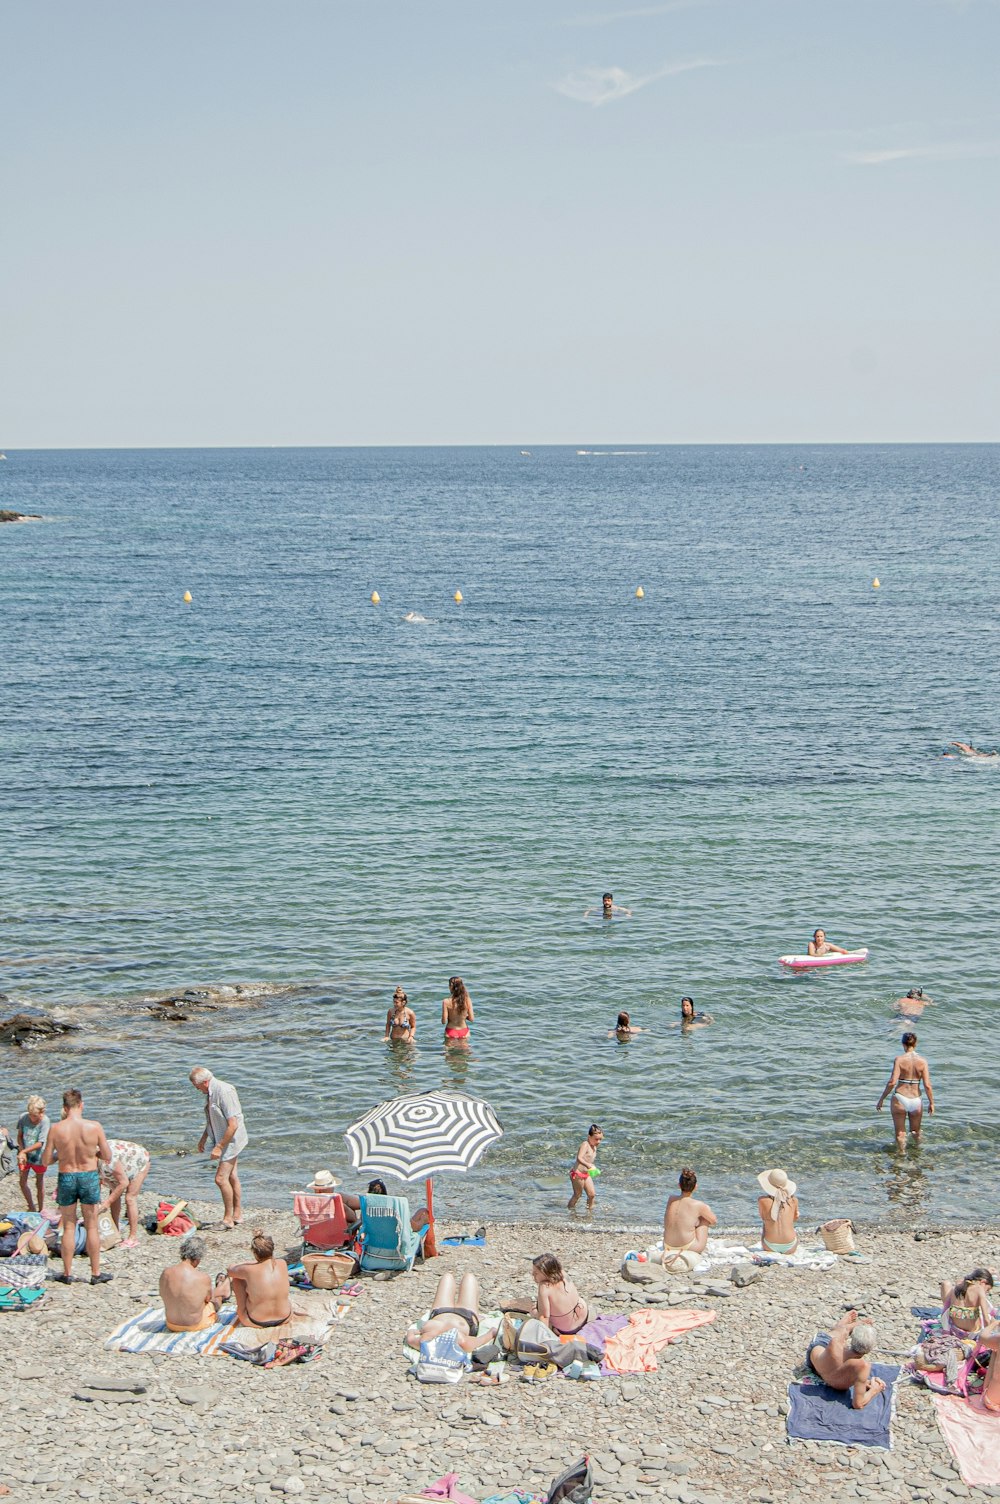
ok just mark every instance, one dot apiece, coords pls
pixel 685 1226
pixel 843 1363
pixel 79 1144
pixel 189 1302
pixel 580 1177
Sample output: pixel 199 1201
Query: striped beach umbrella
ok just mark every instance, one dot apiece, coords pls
pixel 423 1134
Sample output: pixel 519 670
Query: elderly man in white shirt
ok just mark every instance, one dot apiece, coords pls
pixel 226 1132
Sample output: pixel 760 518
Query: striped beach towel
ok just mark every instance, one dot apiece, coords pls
pixel 147 1333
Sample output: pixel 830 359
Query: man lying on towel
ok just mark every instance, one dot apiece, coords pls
pixel 843 1363
pixel 189 1302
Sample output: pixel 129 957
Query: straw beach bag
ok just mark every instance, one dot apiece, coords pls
pixel 327 1271
pixel 838 1235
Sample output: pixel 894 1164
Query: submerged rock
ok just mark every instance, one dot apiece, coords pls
pixel 25 1027
pixel 19 517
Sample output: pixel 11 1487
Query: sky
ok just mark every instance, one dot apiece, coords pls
pixel 233 222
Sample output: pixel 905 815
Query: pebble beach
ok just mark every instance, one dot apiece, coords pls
pixel 708 1427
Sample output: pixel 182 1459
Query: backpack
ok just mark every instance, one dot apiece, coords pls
pixel 574 1486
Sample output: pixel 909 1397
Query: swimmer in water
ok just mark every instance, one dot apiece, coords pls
pixel 965 750
pixel 609 909
pixel 913 1004
pixel 689 1019
pixel 456 1013
pixel 624 1028
pixel 400 1021
pixel 910 1074
pixel 819 945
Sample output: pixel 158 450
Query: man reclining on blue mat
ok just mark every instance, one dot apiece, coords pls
pixel 843 1363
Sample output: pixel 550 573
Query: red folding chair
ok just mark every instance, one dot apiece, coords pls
pixel 322 1218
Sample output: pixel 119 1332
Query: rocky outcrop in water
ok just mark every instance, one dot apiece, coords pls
pixel 179 1007
pixel 19 517
pixel 28 1028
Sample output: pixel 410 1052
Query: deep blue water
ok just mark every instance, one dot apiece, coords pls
pixel 284 783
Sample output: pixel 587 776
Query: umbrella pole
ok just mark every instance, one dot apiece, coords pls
pixel 430 1243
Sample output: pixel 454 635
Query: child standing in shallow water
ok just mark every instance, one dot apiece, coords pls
pixel 581 1176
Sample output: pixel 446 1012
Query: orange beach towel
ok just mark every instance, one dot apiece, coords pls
pixel 634 1348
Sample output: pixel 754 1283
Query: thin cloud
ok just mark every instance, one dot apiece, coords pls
pixel 639 13
pixel 598 86
pixel 956 151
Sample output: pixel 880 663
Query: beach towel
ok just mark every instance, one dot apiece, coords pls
pixel 973 1437
pixel 634 1348
pixel 463 1242
pixel 147 1333
pixel 313 1314
pixel 815 1257
pixel 819 1413
pixel 447 1488
pixel 600 1328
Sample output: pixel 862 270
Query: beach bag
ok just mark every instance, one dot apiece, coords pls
pixel 838 1235
pixel 574 1486
pixel 107 1232
pixel 535 1342
pixel 327 1271
pixel 442 1360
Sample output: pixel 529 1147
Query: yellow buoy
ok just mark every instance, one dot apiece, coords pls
pixel 457 597
pixel 640 594
pixel 187 597
pixel 376 598
pixel 875 583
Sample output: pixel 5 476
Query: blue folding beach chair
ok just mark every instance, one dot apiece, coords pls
pixel 387 1239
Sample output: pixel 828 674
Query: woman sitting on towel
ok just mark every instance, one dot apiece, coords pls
pixel 779 1212
pixel 558 1302
pixel 261 1289
pixel 453 1311
pixel 685 1226
pixel 966 1305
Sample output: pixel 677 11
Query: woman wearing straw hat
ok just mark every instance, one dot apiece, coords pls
pixel 779 1212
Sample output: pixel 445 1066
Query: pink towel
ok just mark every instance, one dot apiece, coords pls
pixel 445 1488
pixel 634 1348
pixel 973 1435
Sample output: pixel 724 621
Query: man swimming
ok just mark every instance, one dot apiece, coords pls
pixel 609 909
pixel 966 750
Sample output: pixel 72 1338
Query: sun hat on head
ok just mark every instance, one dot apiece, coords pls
pixel 323 1180
pixel 776 1183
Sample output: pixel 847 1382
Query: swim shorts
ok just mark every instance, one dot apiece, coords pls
pixel 78 1185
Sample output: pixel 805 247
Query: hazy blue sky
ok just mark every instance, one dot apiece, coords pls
pixel 510 221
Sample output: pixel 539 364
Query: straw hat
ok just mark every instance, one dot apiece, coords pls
pixel 323 1180
pixel 776 1183
pixel 30 1242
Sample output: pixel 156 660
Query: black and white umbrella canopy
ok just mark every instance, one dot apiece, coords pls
pixel 423 1134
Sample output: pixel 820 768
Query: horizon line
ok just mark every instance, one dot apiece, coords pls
pixel 574 445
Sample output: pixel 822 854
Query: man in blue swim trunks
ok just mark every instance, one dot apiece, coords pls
pixel 78 1144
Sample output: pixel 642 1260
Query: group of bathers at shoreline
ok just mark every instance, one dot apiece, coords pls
pixel 456 1016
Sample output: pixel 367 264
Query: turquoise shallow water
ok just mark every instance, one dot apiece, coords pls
pixel 281 783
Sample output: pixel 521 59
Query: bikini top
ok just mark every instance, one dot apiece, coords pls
pixel 400 1021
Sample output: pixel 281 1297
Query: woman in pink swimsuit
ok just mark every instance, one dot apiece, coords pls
pixel 456 1012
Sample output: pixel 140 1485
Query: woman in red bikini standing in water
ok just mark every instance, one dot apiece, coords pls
pixel 456 1013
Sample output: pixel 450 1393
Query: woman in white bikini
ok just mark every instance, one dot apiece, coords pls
pixel 558 1302
pixel 910 1073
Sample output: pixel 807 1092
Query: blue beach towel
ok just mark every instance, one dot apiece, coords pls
pixel 463 1242
pixel 819 1413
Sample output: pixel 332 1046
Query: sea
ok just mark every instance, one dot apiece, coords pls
pixel 282 786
